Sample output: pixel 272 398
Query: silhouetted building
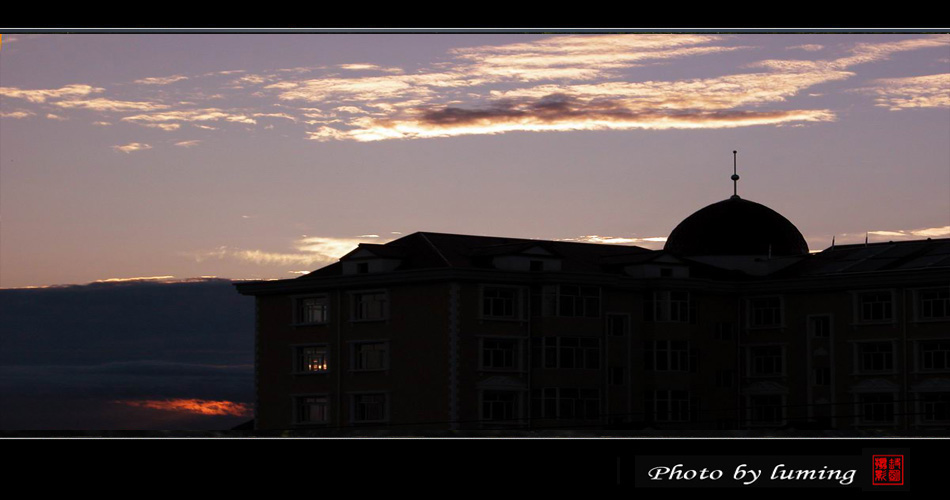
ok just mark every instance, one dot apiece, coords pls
pixel 734 325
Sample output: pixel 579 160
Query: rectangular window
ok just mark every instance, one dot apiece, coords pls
pixel 570 301
pixel 875 356
pixel 668 406
pixel 935 407
pixel 766 361
pixel 617 324
pixel 500 406
pixel 668 307
pixel 500 354
pixel 369 408
pixel 501 302
pixel 311 409
pixel 822 376
pixel 312 310
pixel 565 352
pixel 934 355
pixel 933 304
pixel 766 409
pixel 616 375
pixel 371 356
pixel 368 306
pixel 565 403
pixel 875 306
pixel 666 355
pixel 819 326
pixel 876 408
pixel 765 312
pixel 311 360
pixel 723 330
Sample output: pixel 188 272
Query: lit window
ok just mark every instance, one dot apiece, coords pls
pixel 370 306
pixel 934 355
pixel 500 354
pixel 875 306
pixel 876 408
pixel 571 301
pixel 311 310
pixel 371 356
pixel 311 409
pixel 668 307
pixel 668 406
pixel 666 355
pixel 311 360
pixel 565 403
pixel 566 352
pixel 501 302
pixel 765 312
pixel 765 361
pixel 369 407
pixel 875 356
pixel 933 304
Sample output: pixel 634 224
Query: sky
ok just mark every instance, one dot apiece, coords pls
pixel 262 156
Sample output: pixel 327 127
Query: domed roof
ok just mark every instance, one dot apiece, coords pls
pixel 736 227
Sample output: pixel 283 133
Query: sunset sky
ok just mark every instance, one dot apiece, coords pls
pixel 268 155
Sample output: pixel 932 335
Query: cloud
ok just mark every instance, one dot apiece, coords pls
pixel 168 127
pixel 911 234
pixel 51 116
pixel 191 115
pixel 103 104
pixel 20 113
pixel 102 124
pixel 165 80
pixel 310 251
pixel 132 146
pixel 137 278
pixel 810 47
pixel 653 242
pixel 41 95
pixel 928 91
pixel 188 144
pixel 199 406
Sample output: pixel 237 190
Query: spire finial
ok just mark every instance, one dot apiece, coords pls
pixel 735 177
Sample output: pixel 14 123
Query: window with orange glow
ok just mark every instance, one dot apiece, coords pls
pixel 312 360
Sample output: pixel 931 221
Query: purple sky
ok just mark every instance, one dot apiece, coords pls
pixel 261 156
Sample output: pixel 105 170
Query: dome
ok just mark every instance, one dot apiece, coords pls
pixel 736 227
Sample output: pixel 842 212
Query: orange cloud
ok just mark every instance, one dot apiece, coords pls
pixel 196 406
pixel 928 91
pixel 41 95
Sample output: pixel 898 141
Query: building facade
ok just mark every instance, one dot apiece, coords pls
pixel 734 325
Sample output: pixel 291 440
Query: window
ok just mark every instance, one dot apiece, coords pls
pixel 875 306
pixel 565 403
pixel 933 304
pixel 766 361
pixel 617 324
pixel 667 307
pixel 723 330
pixel 666 355
pixel 500 354
pixel 571 301
pixel 767 409
pixel 501 302
pixel 311 410
pixel 362 267
pixel 565 352
pixel 536 266
pixel 500 406
pixel 765 312
pixel 312 310
pixel 934 355
pixel 875 356
pixel 822 376
pixel 668 406
pixel 876 408
pixel 370 356
pixel 934 407
pixel 369 408
pixel 819 326
pixel 725 378
pixel 311 359
pixel 368 306
pixel 615 375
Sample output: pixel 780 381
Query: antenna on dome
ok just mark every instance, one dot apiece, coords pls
pixel 735 177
